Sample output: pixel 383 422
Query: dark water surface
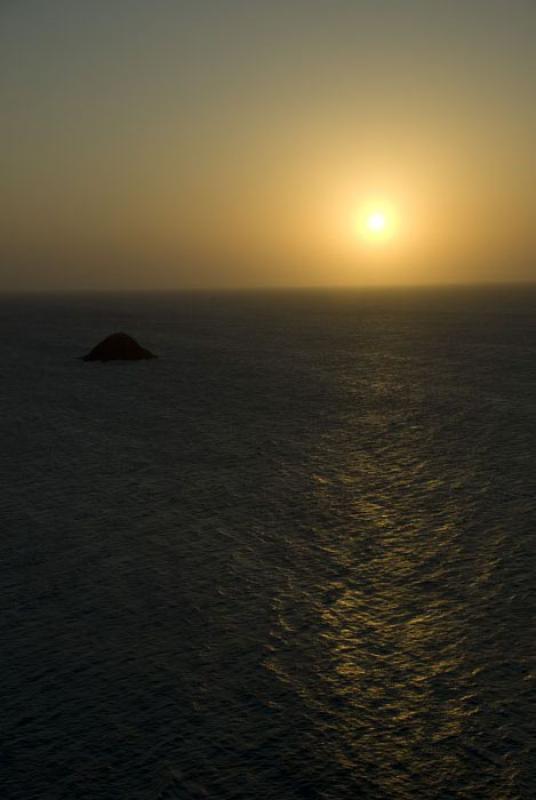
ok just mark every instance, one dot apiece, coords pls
pixel 294 557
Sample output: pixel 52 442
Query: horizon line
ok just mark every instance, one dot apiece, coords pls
pixel 274 288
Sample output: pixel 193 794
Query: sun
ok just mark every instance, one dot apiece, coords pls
pixel 376 224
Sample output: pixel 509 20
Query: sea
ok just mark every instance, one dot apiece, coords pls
pixel 293 558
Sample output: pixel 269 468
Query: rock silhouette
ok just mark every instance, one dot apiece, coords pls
pixel 118 347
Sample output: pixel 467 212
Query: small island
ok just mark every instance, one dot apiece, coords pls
pixel 118 347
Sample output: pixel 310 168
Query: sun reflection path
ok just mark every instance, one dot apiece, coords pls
pixel 388 662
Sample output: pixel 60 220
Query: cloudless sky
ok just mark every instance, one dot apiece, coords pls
pixel 169 143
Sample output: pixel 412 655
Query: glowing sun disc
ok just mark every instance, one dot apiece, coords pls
pixel 376 222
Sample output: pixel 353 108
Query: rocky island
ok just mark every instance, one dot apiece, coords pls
pixel 118 347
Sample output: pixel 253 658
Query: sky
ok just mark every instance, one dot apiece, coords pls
pixel 155 144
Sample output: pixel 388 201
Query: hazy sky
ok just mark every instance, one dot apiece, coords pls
pixel 169 143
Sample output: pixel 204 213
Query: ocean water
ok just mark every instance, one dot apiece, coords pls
pixel 294 557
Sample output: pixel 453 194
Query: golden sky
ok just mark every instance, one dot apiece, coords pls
pixel 247 142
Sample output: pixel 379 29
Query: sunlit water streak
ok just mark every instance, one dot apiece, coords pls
pixel 292 558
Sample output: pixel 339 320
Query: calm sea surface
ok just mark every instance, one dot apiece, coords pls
pixel 294 557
